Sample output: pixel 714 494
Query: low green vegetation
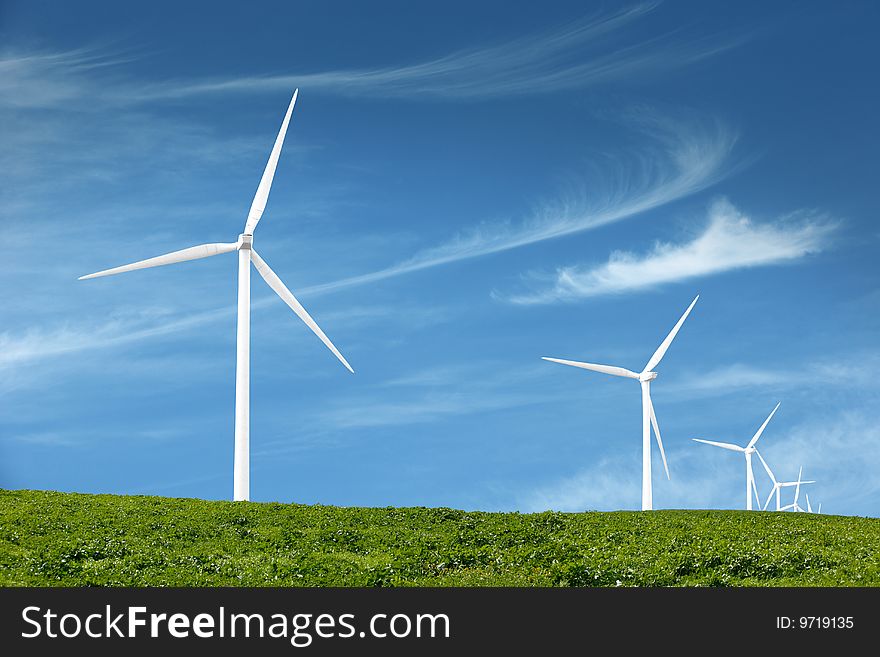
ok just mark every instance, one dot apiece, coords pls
pixel 65 539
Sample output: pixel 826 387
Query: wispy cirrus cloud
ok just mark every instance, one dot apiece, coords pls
pixel 24 348
pixel 682 158
pixel 575 55
pixel 852 370
pixel 598 48
pixel 729 241
pixel 723 379
pixel 33 80
pixel 35 344
pixel 679 157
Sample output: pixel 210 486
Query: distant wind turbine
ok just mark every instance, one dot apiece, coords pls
pixel 777 485
pixel 649 418
pixel 810 508
pixel 246 256
pixel 794 506
pixel 748 450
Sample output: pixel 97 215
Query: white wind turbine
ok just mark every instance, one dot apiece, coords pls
pixel 777 485
pixel 794 506
pixel 748 450
pixel 246 256
pixel 649 418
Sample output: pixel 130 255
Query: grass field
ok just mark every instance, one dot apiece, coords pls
pixel 66 539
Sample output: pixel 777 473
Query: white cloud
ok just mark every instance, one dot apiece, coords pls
pixel 39 80
pixel 574 55
pixel 124 328
pixel 681 159
pixel 47 438
pixel 852 370
pixel 605 486
pixel 730 241
pixel 35 344
pixel 738 375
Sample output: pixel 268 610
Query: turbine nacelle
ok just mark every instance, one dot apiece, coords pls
pixel 647 376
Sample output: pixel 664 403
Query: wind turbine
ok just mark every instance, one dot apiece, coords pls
pixel 794 506
pixel 649 418
pixel 748 450
pixel 777 485
pixel 246 256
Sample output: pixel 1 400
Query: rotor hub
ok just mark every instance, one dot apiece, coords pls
pixel 647 376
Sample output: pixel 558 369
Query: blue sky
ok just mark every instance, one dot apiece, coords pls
pixel 463 189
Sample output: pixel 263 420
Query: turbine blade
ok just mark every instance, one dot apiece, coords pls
pixel 657 434
pixel 797 489
pixel 192 253
pixel 766 467
pixel 809 506
pixel 735 448
pixel 787 507
pixel 605 369
pixel 661 350
pixel 763 426
pixel 287 296
pixel 819 510
pixel 769 497
pixel 262 195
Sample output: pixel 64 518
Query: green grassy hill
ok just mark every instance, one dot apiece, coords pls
pixel 66 539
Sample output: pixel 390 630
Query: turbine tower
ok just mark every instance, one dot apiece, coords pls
pixel 748 450
pixel 246 256
pixel 649 418
pixel 777 485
